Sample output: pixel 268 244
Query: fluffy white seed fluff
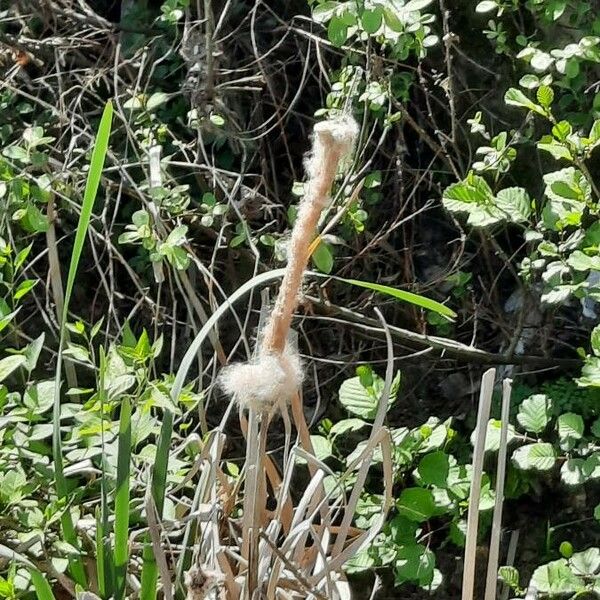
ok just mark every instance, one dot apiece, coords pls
pixel 333 139
pixel 261 384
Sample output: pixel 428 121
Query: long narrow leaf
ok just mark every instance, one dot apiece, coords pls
pixel 409 297
pixel 43 591
pixel 159 484
pixel 97 163
pixel 105 568
pixel 122 500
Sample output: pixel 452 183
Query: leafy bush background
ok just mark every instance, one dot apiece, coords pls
pixel 477 174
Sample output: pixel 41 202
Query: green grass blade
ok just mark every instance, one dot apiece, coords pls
pixel 76 567
pixel 159 485
pixel 122 501
pixel 43 591
pixel 100 568
pixel 415 299
pixel 104 555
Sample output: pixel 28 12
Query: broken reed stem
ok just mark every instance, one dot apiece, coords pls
pixel 485 400
pixel 252 501
pixel 491 584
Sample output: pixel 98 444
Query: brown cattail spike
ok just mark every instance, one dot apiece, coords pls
pixel 333 140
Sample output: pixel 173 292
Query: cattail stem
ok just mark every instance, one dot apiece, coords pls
pixel 333 140
pixel 275 374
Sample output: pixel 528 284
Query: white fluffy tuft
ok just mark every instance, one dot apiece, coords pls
pixel 333 140
pixel 340 132
pixel 261 384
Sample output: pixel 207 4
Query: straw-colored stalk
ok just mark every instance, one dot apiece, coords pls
pixel 491 584
pixel 485 400
pixel 274 377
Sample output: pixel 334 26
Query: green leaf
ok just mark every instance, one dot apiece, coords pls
pixel 595 132
pixel 337 31
pixel 32 351
pixel 371 20
pixel 473 196
pixel 409 297
pixel 392 20
pixel 590 373
pixel 24 288
pixel 555 578
pixel 515 202
pixel 322 258
pixel 545 96
pixel 586 563
pixel 434 468
pixel 486 6
pixel 492 438
pixel 346 426
pixel 361 401
pixel 360 562
pixel 567 191
pixel 16 153
pixel 535 413
pixel 414 562
pixel 591 468
pixel 321 447
pixel 42 588
pixel 34 220
pixel 529 81
pixel 582 262
pixel 510 576
pixel 572 472
pixel 539 457
pixel 11 487
pixel 155 100
pixel 217 120
pixel 515 97
pixel 158 490
pixel 416 504
pixel 570 429
pixel 9 364
pixel 39 397
pixel 414 5
pixel 91 188
pixel 122 500
pixel 562 130
pixel 324 11
pixel 134 103
pixel 556 149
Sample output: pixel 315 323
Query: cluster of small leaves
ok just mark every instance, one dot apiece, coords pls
pixel 141 231
pixel 546 441
pixel 90 424
pixel 566 65
pixel 25 185
pixel 433 485
pixel 575 574
pixel 399 26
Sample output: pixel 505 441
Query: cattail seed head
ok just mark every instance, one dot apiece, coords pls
pixel 259 385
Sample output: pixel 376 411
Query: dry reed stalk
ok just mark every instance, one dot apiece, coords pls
pixel 56 286
pixel 491 584
pixel 510 559
pixel 485 400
